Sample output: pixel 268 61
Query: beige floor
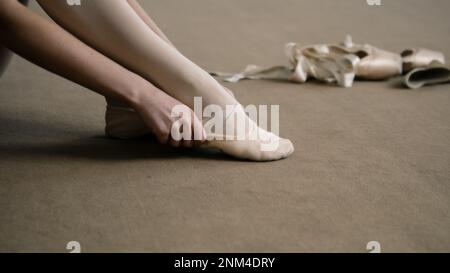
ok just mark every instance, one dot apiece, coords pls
pixel 372 162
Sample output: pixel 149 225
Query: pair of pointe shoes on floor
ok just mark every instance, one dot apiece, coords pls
pixel 343 63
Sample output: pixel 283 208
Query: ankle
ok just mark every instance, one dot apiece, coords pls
pixel 139 93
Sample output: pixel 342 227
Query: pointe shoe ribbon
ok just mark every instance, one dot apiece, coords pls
pixel 254 72
pixel 307 62
pixel 435 73
pixel 327 66
pixel 420 57
pixel 339 63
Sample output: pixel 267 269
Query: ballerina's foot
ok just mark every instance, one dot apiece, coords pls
pixel 258 145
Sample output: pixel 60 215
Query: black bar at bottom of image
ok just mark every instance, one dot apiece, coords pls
pixel 206 262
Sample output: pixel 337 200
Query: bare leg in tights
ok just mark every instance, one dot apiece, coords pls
pixel 115 29
pixel 122 121
pixel 48 45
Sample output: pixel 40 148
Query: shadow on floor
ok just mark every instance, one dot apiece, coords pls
pixel 104 148
pixel 39 139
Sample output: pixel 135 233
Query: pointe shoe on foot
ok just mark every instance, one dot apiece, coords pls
pixel 435 73
pixel 251 149
pixel 420 57
pixel 253 143
pixel 122 121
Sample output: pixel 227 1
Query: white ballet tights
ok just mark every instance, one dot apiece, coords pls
pixel 113 28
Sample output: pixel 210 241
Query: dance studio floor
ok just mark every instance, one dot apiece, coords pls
pixel 372 163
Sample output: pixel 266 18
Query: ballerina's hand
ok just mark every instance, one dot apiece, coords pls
pixel 155 108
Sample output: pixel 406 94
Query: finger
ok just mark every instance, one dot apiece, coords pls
pixel 199 134
pixel 187 132
pixel 176 132
pixel 187 140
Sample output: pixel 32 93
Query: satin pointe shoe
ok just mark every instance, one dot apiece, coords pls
pixel 420 57
pixel 376 63
pixel 309 62
pixel 435 73
pixel 330 65
pixel 317 62
pixel 348 60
